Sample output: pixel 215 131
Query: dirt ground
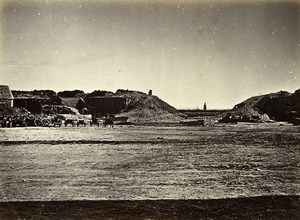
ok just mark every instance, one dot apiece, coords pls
pixel 269 207
pixel 149 162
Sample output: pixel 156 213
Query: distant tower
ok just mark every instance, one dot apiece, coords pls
pixel 204 106
pixel 150 92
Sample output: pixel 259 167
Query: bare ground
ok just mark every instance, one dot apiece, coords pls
pixel 268 207
pixel 149 163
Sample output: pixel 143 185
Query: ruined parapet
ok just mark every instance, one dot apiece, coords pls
pixel 106 105
pixel 6 97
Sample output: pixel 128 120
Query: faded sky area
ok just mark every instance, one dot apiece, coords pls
pixel 186 52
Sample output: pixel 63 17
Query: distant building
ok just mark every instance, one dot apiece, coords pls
pixel 6 97
pixel 204 106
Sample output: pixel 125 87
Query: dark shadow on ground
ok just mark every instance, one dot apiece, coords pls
pixel 264 207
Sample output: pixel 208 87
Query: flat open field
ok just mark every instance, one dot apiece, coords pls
pixel 149 163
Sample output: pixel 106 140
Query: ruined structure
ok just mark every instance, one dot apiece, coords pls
pixel 77 103
pixel 104 105
pixel 135 105
pixel 6 97
pixel 204 106
pixel 33 101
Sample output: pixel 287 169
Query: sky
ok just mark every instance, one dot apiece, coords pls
pixel 187 52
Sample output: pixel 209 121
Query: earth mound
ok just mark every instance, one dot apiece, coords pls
pixel 141 107
pixel 280 106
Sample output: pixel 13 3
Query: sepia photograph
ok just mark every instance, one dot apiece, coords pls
pixel 149 109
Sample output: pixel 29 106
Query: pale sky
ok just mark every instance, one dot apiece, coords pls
pixel 186 52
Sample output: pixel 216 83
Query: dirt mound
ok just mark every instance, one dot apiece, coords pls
pixel 280 106
pixel 142 107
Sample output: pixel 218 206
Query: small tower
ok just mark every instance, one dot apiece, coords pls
pixel 150 92
pixel 204 106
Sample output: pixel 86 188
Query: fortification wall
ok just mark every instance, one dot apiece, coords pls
pixel 106 105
